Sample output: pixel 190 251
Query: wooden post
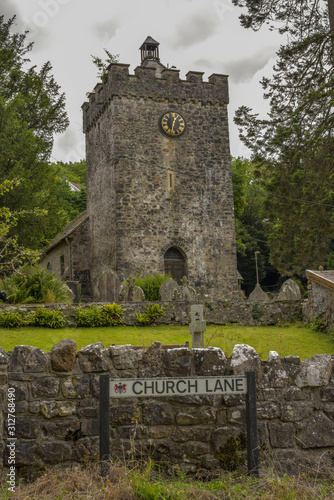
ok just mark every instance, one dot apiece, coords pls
pixel 104 423
pixel 251 419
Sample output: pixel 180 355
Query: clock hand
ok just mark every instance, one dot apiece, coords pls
pixel 173 124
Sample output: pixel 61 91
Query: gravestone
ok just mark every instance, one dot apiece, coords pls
pixel 168 289
pixel 197 325
pixel 289 291
pixel 258 295
pixel 186 292
pixel 109 286
pixel 131 292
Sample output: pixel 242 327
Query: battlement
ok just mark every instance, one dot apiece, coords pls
pixel 148 83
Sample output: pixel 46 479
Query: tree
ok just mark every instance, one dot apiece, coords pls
pixel 252 229
pixel 102 65
pixel 297 136
pixel 12 254
pixel 32 110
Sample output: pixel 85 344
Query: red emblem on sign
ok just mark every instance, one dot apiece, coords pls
pixel 120 388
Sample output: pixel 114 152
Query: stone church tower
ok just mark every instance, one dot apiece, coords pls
pixel 159 176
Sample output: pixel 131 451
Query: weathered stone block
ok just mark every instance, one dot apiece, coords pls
pixel 282 435
pixel 197 449
pixel 194 416
pixel 268 410
pixel 245 359
pixel 157 414
pixel 319 432
pixel 210 361
pixel 4 359
pixel 182 434
pixel 124 414
pixel 63 355
pixel 47 387
pixel 94 358
pixel 76 387
pixel 53 452
pixel 315 371
pixel 27 427
pixel 178 362
pixel 295 412
pixel 125 357
pixel 52 409
pixel 28 359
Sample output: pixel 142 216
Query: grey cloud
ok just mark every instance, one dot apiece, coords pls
pixel 105 30
pixel 195 29
pixel 243 70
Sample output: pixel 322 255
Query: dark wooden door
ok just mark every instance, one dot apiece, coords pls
pixel 175 264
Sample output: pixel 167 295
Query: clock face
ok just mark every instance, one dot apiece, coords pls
pixel 172 124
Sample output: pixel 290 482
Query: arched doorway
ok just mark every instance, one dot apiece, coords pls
pixel 175 264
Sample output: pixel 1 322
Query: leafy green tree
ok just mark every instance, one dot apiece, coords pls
pixel 293 145
pixel 12 254
pixel 252 229
pixel 32 110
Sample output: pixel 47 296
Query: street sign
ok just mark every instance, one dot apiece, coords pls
pixel 185 386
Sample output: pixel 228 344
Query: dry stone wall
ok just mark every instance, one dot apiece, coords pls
pixel 57 397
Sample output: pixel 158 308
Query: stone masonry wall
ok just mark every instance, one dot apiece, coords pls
pixel 217 312
pixel 57 397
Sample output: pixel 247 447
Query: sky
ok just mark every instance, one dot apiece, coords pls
pixel 194 35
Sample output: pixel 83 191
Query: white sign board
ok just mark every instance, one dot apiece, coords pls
pixel 188 386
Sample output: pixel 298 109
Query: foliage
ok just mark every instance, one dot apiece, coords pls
pixel 33 284
pixel 232 454
pixel 32 110
pixel 153 311
pixel 102 66
pixel 11 253
pixel 11 319
pixel 94 316
pixel 50 319
pixel 151 284
pixel 297 136
pixel 146 480
pixel 252 229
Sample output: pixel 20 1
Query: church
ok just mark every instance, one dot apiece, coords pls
pixel 159 182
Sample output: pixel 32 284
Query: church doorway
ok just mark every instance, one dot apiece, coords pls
pixel 175 264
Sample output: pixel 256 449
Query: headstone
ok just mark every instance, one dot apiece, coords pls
pixel 186 292
pixel 74 291
pixel 197 325
pixel 289 291
pixel 109 286
pixel 258 295
pixel 168 289
pixel 131 293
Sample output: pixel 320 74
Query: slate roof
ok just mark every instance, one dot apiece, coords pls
pixel 72 226
pixel 324 278
pixel 149 40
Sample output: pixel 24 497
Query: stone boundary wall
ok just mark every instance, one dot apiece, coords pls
pixel 218 312
pixel 57 397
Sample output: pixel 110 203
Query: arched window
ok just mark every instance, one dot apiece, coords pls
pixel 175 264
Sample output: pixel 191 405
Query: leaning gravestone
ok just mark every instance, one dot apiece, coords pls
pixel 109 286
pixel 258 295
pixel 197 325
pixel 168 289
pixel 289 291
pixel 131 293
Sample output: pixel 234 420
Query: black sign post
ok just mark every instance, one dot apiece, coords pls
pixel 251 421
pixel 186 386
pixel 104 423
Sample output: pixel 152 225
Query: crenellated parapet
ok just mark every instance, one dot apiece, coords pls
pixel 147 83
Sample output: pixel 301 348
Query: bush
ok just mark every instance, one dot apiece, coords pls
pixel 151 285
pixel 46 318
pixel 108 315
pixel 33 284
pixel 152 312
pixel 11 319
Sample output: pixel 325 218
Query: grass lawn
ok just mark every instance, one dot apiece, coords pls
pixel 296 339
